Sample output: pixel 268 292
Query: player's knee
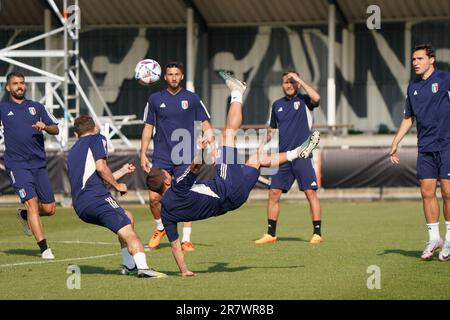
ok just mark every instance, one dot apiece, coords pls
pixel 428 193
pixel 154 201
pixel 445 194
pixel 274 195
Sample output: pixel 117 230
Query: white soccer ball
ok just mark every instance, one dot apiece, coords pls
pixel 147 72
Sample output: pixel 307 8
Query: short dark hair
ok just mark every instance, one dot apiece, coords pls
pixel 84 124
pixel 155 180
pixel 429 50
pixel 14 74
pixel 174 64
pixel 285 73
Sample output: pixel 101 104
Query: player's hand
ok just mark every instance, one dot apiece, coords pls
pixel 122 188
pixel 145 163
pixel 128 168
pixel 295 78
pixel 39 126
pixel 202 143
pixel 393 155
pixel 188 274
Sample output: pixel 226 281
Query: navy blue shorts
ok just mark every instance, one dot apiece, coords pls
pixel 233 181
pixel 30 183
pixel 301 170
pixel 433 165
pixel 106 213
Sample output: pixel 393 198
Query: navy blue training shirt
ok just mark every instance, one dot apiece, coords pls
pixel 86 184
pixel 168 112
pixel 24 145
pixel 290 117
pixel 187 201
pixel 429 102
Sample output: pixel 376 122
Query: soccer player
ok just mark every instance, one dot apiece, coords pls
pixel 428 102
pixel 183 199
pixel 92 201
pixel 173 112
pixel 290 116
pixel 24 122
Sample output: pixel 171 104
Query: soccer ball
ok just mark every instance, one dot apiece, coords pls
pixel 147 72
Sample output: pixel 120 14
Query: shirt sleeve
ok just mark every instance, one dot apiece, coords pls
pixel 170 227
pixel 201 114
pixel 46 116
pixel 99 147
pixel 183 183
pixel 307 100
pixel 273 118
pixel 149 113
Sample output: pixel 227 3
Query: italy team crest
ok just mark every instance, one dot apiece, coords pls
pixel 296 105
pixel 22 193
pixel 184 104
pixel 434 87
pixel 32 111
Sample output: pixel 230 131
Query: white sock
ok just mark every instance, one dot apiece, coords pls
pixel 159 224
pixel 433 231
pixel 186 234
pixel 236 96
pixel 141 260
pixel 447 227
pixel 127 259
pixel 291 155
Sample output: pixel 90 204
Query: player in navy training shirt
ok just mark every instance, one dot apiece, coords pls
pixel 185 200
pixel 23 122
pixel 174 113
pixel 428 102
pixel 92 201
pixel 290 115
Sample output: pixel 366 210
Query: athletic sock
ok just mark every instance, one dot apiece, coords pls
pixel 316 227
pixel 159 224
pixel 447 227
pixel 433 231
pixel 141 260
pixel 236 96
pixel 291 155
pixel 127 259
pixel 272 227
pixel 43 245
pixel 186 234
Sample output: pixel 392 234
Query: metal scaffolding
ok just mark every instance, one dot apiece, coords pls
pixel 62 79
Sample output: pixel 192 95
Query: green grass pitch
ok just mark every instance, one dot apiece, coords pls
pixel 389 235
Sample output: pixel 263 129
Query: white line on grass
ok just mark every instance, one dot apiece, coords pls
pixel 69 242
pixel 53 261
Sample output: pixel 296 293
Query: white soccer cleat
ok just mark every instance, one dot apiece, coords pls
pixel 48 254
pixel 309 145
pixel 23 222
pixel 231 82
pixel 444 255
pixel 431 248
pixel 150 273
pixel 126 271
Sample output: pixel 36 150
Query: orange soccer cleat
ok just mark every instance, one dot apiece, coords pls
pixel 156 238
pixel 315 239
pixel 266 238
pixel 187 246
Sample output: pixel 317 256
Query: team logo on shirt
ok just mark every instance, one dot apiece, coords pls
pixel 434 87
pixel 184 104
pixel 32 111
pixel 22 193
pixel 280 109
pixel 296 105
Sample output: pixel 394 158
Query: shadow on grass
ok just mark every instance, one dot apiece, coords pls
pixel 85 269
pixel 406 253
pixel 223 267
pixel 292 239
pixel 24 252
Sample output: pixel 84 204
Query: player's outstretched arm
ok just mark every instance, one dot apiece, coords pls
pixel 179 258
pixel 50 129
pixel 198 162
pixel 126 169
pixel 405 125
pixel 106 174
